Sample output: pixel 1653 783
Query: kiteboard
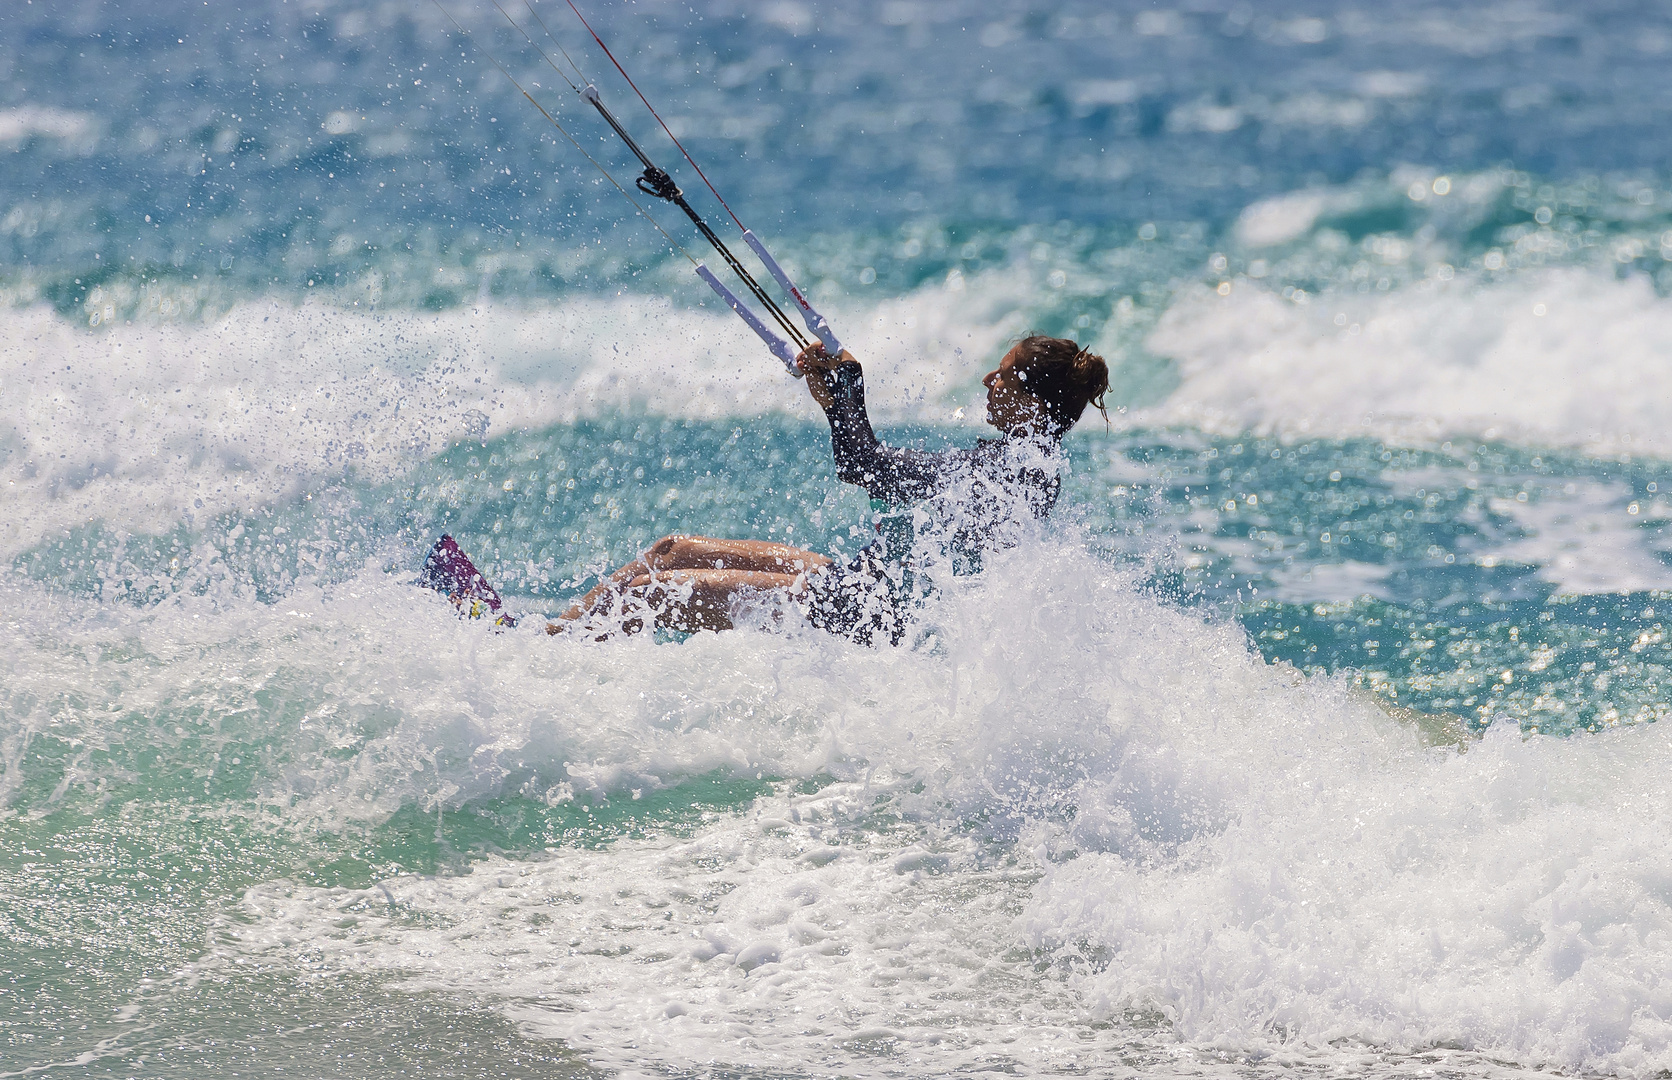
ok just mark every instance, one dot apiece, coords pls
pixel 449 571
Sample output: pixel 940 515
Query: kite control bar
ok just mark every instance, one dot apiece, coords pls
pixel 815 321
pixel 778 346
pixel 655 182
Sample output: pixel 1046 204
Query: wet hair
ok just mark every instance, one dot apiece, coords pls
pixel 1064 376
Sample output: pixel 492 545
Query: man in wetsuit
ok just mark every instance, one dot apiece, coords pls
pixel 1039 390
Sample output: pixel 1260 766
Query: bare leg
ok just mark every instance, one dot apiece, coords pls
pixel 715 569
pixel 708 605
pixel 710 553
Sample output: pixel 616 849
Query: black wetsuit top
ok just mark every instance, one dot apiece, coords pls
pixel 986 484
pixel 942 507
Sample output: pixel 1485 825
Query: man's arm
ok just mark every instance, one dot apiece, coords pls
pixel 888 473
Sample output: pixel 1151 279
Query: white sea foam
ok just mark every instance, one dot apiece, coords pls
pixel 149 424
pixel 1584 538
pixel 17 124
pixel 1568 358
pixel 1129 819
pixel 1279 220
pixel 1500 898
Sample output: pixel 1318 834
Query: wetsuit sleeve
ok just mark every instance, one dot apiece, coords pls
pixel 889 473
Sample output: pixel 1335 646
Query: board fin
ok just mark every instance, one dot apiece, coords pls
pixel 449 571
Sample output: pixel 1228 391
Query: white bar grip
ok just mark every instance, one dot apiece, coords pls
pixel 815 321
pixel 780 348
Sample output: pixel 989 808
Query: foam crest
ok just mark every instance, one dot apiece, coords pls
pixel 1256 858
pixel 1510 898
pixel 1201 846
pixel 1564 357
pixel 147 424
pixel 557 719
pixel 1255 861
pixel 391 701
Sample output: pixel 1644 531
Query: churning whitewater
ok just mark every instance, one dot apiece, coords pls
pixel 1317 730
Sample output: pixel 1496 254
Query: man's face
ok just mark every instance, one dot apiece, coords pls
pixel 1011 407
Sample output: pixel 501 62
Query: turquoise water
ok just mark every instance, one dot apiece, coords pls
pixel 1407 568
pixel 1318 731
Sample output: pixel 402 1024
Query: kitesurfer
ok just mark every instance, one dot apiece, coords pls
pixel 1036 394
pixel 972 497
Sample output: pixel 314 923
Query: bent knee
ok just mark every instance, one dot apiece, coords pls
pixel 662 548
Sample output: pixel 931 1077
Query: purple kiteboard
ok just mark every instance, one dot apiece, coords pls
pixel 449 571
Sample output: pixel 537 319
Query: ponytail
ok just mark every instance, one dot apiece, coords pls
pixel 1064 376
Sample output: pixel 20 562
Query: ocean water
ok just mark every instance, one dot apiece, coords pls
pixel 1318 733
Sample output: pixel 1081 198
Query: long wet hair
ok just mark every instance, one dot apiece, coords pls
pixel 1065 377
